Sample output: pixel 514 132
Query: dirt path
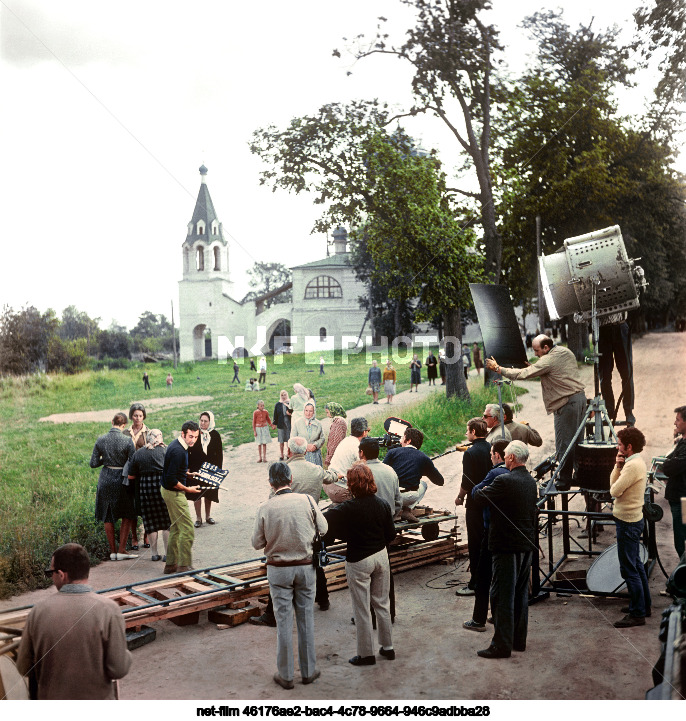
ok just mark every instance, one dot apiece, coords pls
pixel 573 650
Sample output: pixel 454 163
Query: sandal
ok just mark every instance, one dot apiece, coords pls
pixel 210 521
pixel 198 524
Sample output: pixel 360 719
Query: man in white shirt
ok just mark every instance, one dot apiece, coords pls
pixel 347 451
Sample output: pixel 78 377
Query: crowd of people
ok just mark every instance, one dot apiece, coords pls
pixel 142 477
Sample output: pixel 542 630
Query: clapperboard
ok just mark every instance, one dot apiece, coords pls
pixel 211 475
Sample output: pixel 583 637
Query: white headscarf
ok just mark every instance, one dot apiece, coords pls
pixel 205 435
pixel 301 391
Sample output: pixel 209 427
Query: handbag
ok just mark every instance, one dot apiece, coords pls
pixel 369 391
pixel 320 557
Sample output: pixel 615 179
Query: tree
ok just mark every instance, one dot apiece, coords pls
pixel 77 324
pixel 568 157
pixel 24 339
pixel 266 278
pixel 152 334
pixel 393 197
pixel 452 54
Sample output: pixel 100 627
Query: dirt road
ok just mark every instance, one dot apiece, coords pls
pixel 573 650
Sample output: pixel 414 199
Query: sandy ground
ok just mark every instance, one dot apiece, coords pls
pixel 573 650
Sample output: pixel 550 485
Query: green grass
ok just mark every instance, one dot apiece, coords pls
pixel 48 486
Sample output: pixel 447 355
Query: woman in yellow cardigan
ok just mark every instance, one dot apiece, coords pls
pixel 627 487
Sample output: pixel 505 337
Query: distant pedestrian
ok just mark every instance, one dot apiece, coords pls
pixel 374 380
pixel 321 365
pixel 476 354
pixel 415 373
pixel 263 370
pixel 146 381
pixel 236 368
pixel 389 378
pixel 74 642
pixel 170 381
pixel 431 368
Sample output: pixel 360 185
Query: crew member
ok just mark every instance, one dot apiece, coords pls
pixel 475 465
pixel 521 431
pixel 512 542
pixel 495 428
pixel 675 470
pixel 347 451
pixel 174 488
pixel 410 464
pixel 285 529
pixel 563 395
pixel 74 642
pixel 614 347
pixel 627 488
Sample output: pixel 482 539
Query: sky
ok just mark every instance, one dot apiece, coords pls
pixel 110 108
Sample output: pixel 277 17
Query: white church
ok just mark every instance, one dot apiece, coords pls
pixel 213 324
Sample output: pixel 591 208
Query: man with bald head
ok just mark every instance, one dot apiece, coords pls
pixel 562 391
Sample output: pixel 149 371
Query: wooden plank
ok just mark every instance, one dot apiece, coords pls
pixel 233 616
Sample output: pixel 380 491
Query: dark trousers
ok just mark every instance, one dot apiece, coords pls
pixel 678 527
pixel 614 345
pixel 263 377
pixel 474 518
pixel 235 378
pixel 510 599
pixel 482 589
pixel 631 568
pixel 321 592
pixel 146 386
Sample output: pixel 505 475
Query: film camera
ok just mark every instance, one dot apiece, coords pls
pixel 395 430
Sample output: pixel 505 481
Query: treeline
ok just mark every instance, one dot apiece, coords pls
pixel 32 341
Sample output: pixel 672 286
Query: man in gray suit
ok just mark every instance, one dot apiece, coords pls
pixel 285 529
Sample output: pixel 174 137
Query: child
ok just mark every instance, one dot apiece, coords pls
pixel 261 422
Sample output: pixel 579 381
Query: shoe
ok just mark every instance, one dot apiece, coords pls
pixel 376 403
pixel 164 558
pixel 146 545
pixel 197 524
pixel 282 682
pixel 407 515
pixel 210 521
pixel 170 568
pixel 155 558
pixel 324 606
pixel 519 649
pixel 493 652
pixel 185 569
pixel 489 619
pixel 126 556
pixel 312 678
pixel 388 653
pixel 263 620
pixel 465 591
pixel 134 547
pixel 560 486
pixel 362 660
pixel 649 611
pixel 472 625
pixel 630 621
pixel 113 556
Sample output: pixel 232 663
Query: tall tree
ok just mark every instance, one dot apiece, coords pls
pixel 24 339
pixel 394 199
pixel 266 278
pixel 452 53
pixel 78 324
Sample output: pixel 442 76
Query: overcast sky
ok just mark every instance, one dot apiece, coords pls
pixel 110 108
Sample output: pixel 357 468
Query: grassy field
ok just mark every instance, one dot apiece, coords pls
pixel 47 483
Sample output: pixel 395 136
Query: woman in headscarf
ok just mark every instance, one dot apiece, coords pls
pixel 389 381
pixel 145 469
pixel 138 432
pixel 282 420
pixel 207 449
pixel 337 430
pixel 297 402
pixel 309 428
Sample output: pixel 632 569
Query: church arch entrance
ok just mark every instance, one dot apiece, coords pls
pixel 199 346
pixel 280 335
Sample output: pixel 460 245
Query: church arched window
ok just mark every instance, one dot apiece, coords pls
pixel 217 260
pixel 200 258
pixel 201 228
pixel 322 334
pixel 323 286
